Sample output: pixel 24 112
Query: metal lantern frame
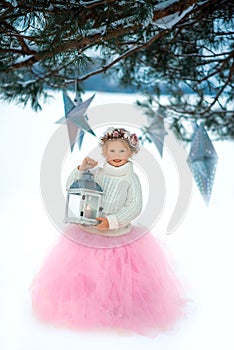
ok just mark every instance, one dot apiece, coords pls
pixel 84 199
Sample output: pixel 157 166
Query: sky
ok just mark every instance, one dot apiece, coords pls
pixel 201 244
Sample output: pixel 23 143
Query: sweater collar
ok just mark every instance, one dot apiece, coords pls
pixel 118 171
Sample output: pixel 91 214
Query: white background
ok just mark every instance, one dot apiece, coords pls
pixel 202 246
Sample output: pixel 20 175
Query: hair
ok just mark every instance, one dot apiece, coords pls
pixel 120 134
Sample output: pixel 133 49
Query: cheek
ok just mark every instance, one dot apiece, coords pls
pixel 105 153
pixel 108 155
pixel 129 154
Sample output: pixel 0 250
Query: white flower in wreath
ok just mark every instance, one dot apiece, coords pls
pixel 109 131
pixel 127 135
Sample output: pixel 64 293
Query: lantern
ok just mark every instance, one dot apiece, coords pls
pixel 84 201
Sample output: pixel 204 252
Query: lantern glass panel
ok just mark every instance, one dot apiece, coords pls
pixel 74 205
pixel 91 208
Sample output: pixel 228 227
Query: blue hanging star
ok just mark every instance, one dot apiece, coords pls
pixel 80 138
pixel 157 132
pixel 76 115
pixel 75 120
pixel 202 161
pixel 71 128
pixel 81 133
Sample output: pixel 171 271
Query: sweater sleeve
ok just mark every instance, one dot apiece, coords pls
pixel 132 207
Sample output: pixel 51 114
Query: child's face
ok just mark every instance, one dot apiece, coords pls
pixel 116 153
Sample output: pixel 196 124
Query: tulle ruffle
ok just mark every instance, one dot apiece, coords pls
pixel 128 287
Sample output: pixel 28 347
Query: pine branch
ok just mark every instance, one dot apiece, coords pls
pixel 121 57
pixel 219 68
pixel 50 46
pixel 81 42
pixel 216 98
pixel 91 4
pixel 177 6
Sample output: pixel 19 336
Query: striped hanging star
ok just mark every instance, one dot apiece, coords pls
pixel 156 130
pixel 202 161
pixel 81 132
pixel 71 128
pixel 75 119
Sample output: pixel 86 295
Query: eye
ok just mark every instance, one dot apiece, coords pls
pixel 112 150
pixel 122 150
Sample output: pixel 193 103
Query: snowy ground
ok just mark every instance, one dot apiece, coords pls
pixel 202 245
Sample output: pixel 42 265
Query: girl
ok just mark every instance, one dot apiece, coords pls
pixel 123 281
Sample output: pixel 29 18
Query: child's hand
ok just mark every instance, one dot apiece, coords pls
pixel 104 224
pixel 88 163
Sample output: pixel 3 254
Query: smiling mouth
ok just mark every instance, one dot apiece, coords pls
pixel 117 160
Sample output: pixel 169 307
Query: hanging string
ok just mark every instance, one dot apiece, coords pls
pixel 77 98
pixel 77 95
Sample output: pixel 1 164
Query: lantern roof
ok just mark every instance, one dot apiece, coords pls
pixel 86 182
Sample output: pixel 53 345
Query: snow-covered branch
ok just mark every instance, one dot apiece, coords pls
pixel 167 46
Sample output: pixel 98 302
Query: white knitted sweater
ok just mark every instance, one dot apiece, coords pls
pixel 122 199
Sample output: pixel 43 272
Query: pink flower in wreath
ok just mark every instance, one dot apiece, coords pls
pixel 133 140
pixel 115 133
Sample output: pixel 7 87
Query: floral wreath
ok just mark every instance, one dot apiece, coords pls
pixel 122 134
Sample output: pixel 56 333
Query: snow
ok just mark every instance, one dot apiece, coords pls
pixel 27 82
pixel 95 31
pixel 164 4
pixel 21 59
pixel 169 21
pixel 202 245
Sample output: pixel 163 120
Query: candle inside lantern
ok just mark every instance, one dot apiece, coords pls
pixel 91 207
pixel 90 213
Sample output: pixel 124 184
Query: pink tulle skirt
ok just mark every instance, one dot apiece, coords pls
pixel 127 287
